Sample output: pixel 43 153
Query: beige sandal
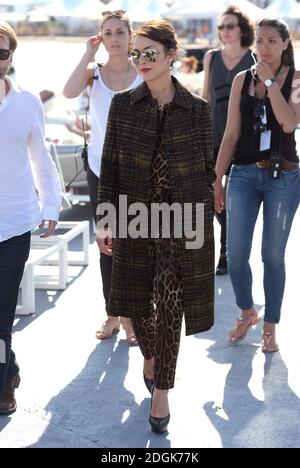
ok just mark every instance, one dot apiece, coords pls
pixel 241 328
pixel 269 344
pixel 107 330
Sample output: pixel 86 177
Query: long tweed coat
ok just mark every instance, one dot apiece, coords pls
pixel 125 170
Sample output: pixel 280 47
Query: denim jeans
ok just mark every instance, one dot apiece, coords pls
pixel 13 255
pixel 248 188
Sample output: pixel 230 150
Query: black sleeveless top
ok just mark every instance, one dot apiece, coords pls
pixel 247 149
pixel 221 82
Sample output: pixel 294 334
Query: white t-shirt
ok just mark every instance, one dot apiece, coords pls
pixel 100 101
pixel 25 166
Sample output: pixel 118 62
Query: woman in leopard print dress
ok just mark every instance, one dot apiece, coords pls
pixel 158 150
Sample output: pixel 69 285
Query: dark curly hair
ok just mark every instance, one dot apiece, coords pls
pixel 244 22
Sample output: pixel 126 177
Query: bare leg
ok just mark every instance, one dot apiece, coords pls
pixel 269 344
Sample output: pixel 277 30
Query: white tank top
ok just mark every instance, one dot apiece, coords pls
pixel 100 101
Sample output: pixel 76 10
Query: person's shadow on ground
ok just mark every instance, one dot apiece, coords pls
pixel 96 410
pixel 242 420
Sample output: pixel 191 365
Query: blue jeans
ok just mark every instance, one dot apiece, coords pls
pixel 13 255
pixel 248 187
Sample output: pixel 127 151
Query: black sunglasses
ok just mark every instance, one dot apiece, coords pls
pixel 229 26
pixel 4 54
pixel 258 125
pixel 258 112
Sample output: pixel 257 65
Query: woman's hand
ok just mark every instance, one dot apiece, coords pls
pixel 219 196
pixel 104 241
pixel 93 44
pixel 263 71
pixel 50 229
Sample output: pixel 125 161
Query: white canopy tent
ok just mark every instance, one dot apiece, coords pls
pixel 68 9
pixel 138 11
pixel 56 9
pixel 286 9
pixel 66 12
pixel 13 17
pixel 89 9
pixel 193 9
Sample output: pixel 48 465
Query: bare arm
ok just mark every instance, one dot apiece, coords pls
pixel 230 138
pixel 287 113
pixel 80 76
pixel 108 188
pixel 206 91
pixel 50 225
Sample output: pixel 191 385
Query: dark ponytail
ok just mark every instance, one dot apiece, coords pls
pixel 281 26
pixel 288 56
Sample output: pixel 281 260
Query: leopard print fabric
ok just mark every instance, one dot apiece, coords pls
pixel 159 334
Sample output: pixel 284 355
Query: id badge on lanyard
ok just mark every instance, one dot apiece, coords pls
pixel 265 137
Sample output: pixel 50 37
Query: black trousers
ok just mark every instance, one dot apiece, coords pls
pixel 13 255
pixel 222 217
pixel 105 260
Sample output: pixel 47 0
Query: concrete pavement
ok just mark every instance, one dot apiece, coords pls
pixel 79 392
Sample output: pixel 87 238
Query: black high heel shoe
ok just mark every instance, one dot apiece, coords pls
pixel 158 425
pixel 148 383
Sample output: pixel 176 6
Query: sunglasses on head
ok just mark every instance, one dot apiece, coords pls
pixel 149 55
pixel 117 13
pixel 4 54
pixel 229 26
pixel 258 125
pixel 259 112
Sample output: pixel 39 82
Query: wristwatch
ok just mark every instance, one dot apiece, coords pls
pixel 269 82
